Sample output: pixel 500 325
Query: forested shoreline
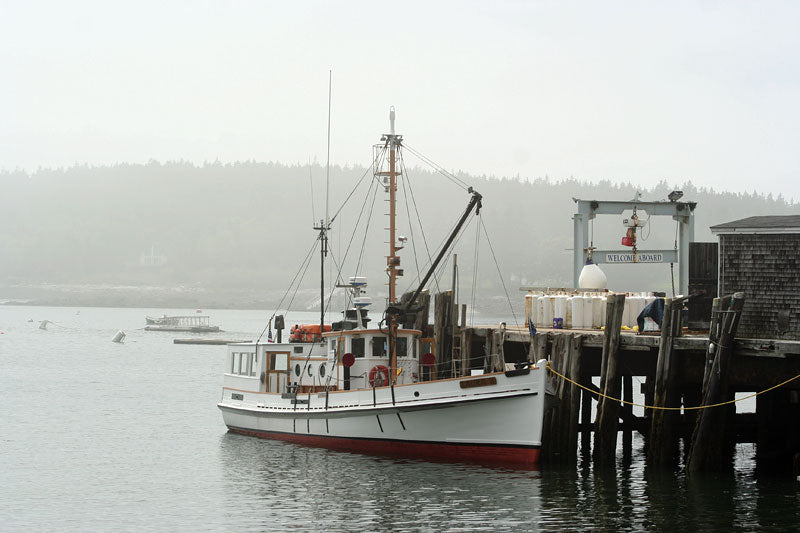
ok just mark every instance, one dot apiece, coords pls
pixel 236 234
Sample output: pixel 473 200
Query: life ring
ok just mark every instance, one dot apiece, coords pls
pixel 378 376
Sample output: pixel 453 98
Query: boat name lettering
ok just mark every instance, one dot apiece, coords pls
pixel 480 382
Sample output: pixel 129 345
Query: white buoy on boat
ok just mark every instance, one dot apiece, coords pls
pixel 119 337
pixel 592 277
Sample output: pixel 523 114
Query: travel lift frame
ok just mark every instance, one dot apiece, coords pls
pixel 682 212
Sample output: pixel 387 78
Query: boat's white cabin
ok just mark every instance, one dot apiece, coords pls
pixel 316 367
pixel 371 354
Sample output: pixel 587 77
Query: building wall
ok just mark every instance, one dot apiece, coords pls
pixel 767 269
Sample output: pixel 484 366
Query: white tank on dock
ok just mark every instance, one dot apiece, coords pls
pixel 638 301
pixel 560 309
pixel 546 310
pixel 575 311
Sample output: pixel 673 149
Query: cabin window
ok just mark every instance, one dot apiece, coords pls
pixel 426 347
pixel 332 345
pixel 357 347
pixel 414 348
pixel 233 363
pixel 254 366
pixel 378 346
pixel 310 373
pixel 322 370
pixel 298 349
pixel 402 346
pixel 278 361
pixel 297 369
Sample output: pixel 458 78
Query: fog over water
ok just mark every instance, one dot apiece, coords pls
pixel 615 90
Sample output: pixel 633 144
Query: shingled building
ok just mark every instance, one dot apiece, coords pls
pixel 760 256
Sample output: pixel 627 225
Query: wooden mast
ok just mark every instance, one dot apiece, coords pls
pixel 393 261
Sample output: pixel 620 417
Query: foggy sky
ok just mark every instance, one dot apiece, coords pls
pixel 627 91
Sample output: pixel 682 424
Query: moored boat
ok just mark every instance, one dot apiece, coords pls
pixel 190 323
pixel 372 389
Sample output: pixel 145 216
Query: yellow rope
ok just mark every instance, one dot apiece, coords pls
pixel 689 408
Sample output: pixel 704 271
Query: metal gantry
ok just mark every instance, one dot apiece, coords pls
pixel 682 212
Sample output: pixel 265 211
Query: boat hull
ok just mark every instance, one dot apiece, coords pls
pixel 499 423
pixel 435 451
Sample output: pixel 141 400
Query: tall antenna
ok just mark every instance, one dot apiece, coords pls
pixel 328 159
pixel 324 225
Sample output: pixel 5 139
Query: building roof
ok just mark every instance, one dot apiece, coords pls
pixel 761 224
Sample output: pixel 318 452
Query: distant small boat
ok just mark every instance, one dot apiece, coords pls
pixel 192 324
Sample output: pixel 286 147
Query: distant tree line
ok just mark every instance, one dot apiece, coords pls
pixel 248 226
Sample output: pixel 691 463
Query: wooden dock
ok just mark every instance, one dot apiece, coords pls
pixel 679 372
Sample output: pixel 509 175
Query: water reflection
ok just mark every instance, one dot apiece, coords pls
pixel 341 491
pixel 272 484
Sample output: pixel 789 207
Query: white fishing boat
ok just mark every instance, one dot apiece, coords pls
pixel 374 390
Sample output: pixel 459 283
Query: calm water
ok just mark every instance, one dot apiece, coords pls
pixel 97 436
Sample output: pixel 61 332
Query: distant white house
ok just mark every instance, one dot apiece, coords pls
pixel 151 259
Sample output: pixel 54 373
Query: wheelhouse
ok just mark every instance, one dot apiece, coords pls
pixel 370 355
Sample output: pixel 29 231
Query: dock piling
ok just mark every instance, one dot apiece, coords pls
pixel 712 427
pixel 663 442
pixel 605 437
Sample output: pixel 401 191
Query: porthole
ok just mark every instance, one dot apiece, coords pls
pixel 416 394
pixel 310 371
pixel 297 370
pixel 322 370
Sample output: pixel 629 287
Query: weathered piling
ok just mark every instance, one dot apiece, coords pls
pixel 710 435
pixel 442 320
pixel 662 444
pixel 560 430
pixel 605 437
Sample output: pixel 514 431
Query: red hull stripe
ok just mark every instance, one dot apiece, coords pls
pixel 471 453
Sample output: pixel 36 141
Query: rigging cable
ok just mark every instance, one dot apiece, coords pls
pixel 440 270
pixel 458 181
pixel 474 275
pixel 303 268
pixel 366 231
pixel 408 215
pixel 499 274
pixel 347 199
pixel 419 220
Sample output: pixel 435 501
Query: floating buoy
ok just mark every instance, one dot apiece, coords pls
pixel 119 337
